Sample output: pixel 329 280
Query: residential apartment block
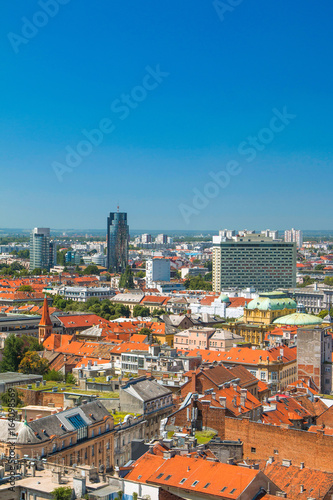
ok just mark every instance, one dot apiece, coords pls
pixel 294 235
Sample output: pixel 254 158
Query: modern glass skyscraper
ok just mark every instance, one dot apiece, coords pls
pixel 40 248
pixel 117 241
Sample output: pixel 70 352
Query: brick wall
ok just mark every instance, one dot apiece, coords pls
pixel 261 441
pixel 40 398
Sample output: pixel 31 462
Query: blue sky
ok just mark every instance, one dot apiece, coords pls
pixel 223 74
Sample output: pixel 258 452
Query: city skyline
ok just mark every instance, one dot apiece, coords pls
pixel 186 115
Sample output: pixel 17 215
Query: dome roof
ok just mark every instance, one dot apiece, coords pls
pixel 298 319
pixel 224 298
pixel 275 301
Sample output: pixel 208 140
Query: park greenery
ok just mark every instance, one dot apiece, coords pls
pixel 126 279
pixel 104 308
pixel 15 349
pixel 197 283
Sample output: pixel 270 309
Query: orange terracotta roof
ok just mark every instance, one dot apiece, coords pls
pixel 193 474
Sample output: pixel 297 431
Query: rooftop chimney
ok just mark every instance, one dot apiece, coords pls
pixel 302 465
pixel 223 401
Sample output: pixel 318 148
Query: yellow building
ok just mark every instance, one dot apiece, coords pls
pixel 259 315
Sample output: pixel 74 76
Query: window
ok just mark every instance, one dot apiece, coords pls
pixel 224 488
pixel 195 483
pixel 183 480
pixel 159 476
pixel 233 490
pixel 206 485
pixel 276 452
pixel 168 477
pixel 253 450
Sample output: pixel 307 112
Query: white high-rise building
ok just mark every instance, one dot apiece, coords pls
pixel 271 234
pixel 253 259
pixel 41 250
pixel 294 235
pixel 146 238
pixel 161 239
pixel 157 270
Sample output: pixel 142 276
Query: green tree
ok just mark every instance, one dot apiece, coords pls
pixel 37 271
pixel 319 267
pixel 126 278
pixel 140 311
pixel 70 379
pixel 31 344
pixel 140 274
pixel 145 331
pixel 32 363
pixel 158 312
pixel 197 283
pixel 10 398
pixel 323 313
pixel 25 288
pixel 62 493
pixel 54 376
pixel 91 269
pixel 12 353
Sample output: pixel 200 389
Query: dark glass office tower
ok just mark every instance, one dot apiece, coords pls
pixel 117 242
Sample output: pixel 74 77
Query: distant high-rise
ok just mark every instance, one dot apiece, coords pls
pixel 42 252
pixel 117 242
pixel 294 235
pixel 253 260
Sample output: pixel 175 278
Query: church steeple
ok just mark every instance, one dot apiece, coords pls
pixel 45 325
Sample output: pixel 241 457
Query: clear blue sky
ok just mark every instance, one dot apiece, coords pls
pixel 225 76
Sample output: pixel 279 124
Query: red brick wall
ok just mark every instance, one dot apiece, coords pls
pixel 314 449
pixel 40 398
pixel 30 397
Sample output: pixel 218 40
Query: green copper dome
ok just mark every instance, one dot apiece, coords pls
pixel 224 298
pixel 298 319
pixel 274 301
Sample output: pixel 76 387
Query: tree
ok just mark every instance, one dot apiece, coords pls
pixel 319 267
pixel 323 313
pixel 140 311
pixel 145 331
pixel 54 376
pixel 25 288
pixel 197 283
pixel 91 269
pixel 37 271
pixel 70 379
pixel 62 493
pixel 32 363
pixel 126 278
pixel 140 274
pixel 31 344
pixel 10 398
pixel 158 312
pixel 12 353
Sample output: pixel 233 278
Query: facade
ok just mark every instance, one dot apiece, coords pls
pixel 193 271
pixel 117 242
pixel 157 270
pixel 315 298
pixel 314 357
pixel 253 260
pixel 294 235
pixel 41 251
pixel 161 239
pixel 83 293
pixel 81 435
